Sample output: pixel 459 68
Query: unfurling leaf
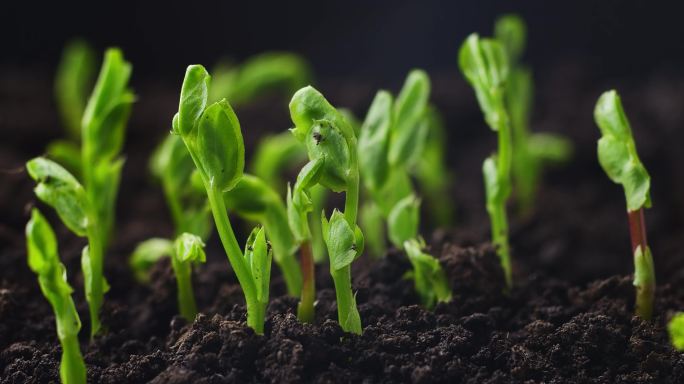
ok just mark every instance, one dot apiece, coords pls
pixel 617 152
pixel 408 128
pixel 146 254
pixel 59 189
pixel 189 248
pixel 402 221
pixel 193 99
pixel 341 241
pixel 220 148
pixel 374 141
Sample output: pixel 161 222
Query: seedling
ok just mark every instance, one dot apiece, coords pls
pixel 271 71
pixel 332 149
pixel 484 64
pixel 532 150
pixel 73 81
pixel 59 189
pixel 618 157
pixel 676 330
pixel 403 124
pixel 213 139
pixel 43 259
pixel 188 249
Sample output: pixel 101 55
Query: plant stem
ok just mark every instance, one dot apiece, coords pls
pixel 72 370
pixel 186 299
pixel 644 274
pixel 94 286
pixel 347 313
pixel 305 308
pixel 255 317
pixel 499 218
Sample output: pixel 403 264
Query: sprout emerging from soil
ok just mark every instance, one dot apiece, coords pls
pixel 484 63
pixel 619 159
pixel 532 150
pixel 213 139
pixel 402 124
pixel 60 189
pixel 43 259
pixel 332 149
pixel 676 330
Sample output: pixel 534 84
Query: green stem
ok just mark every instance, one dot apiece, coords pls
pixel 351 198
pixel 72 370
pixel 235 257
pixel 94 287
pixel 644 271
pixel 186 299
pixel 347 313
pixel 175 208
pixel 305 308
pixel 497 214
pixel 499 217
pixel 256 313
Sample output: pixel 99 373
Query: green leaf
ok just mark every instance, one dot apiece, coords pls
pixel 41 244
pixel 274 155
pixel 193 99
pixel 430 280
pixel 550 147
pixel 484 64
pixel 146 254
pixel 258 255
pixel 251 198
pixel 409 112
pixel 493 186
pixel 189 248
pixel 326 133
pixel 402 221
pixel 617 152
pixel 373 226
pixel 106 114
pixel 220 148
pixel 296 218
pixel 676 330
pixel 511 31
pixel 341 241
pixel 374 141
pixel 59 189
pixel 306 179
pixel 72 83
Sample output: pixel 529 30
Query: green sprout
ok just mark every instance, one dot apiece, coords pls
pixel 618 157
pixel 73 81
pixel 331 145
pixel 484 63
pixel 43 259
pixel 532 150
pixel 676 330
pixel 60 190
pixel 213 138
pixel 188 249
pixel 402 124
pixel 268 71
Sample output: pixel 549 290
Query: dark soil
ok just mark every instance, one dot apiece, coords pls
pixel 568 319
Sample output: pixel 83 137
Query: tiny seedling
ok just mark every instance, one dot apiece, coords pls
pixel 270 71
pixel 188 249
pixel 484 64
pixel 386 127
pixel 331 145
pixel 676 330
pixel 618 157
pixel 212 136
pixel 43 259
pixel 532 150
pixel 59 189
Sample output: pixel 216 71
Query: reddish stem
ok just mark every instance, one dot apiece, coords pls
pixel 637 229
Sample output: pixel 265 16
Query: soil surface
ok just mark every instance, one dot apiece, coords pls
pixel 567 320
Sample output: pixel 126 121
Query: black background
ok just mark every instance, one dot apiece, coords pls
pixel 366 39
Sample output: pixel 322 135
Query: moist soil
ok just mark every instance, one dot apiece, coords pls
pixel 567 320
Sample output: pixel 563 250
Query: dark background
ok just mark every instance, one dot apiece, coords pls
pixel 367 39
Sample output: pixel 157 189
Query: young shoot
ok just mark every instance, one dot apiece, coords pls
pixel 401 124
pixel 618 157
pixel 103 127
pixel 270 71
pixel 43 259
pixel 188 249
pixel 59 189
pixel 484 64
pixel 676 330
pixel 212 136
pixel 532 150
pixel 333 163
pixel 73 81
